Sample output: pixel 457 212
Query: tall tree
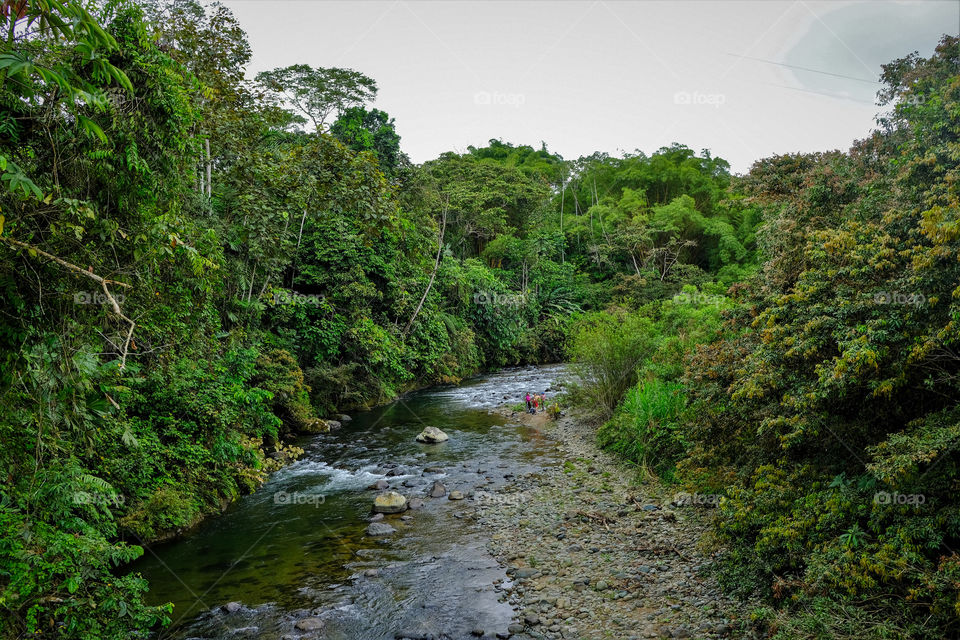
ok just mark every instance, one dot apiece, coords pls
pixel 318 93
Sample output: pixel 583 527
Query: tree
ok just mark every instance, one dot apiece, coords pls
pixel 318 93
pixel 373 130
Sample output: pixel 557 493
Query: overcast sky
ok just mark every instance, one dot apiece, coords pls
pixel 738 78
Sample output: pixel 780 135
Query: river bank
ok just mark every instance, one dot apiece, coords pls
pixel 591 554
pixel 532 533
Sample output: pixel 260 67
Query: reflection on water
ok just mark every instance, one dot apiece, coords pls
pixel 297 548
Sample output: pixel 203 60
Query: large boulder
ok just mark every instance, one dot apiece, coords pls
pixel 432 435
pixel 332 425
pixel 389 502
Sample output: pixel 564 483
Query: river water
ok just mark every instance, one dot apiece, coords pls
pixel 297 547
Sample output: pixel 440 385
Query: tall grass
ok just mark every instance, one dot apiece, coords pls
pixel 645 427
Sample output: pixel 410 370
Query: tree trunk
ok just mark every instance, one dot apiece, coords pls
pixel 436 266
pixel 209 169
pixel 563 192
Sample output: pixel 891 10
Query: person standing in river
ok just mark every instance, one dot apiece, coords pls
pixel 528 402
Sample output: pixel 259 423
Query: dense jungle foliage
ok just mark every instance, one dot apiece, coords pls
pixel 815 401
pixel 196 267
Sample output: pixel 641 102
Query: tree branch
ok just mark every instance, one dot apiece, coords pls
pixel 104 284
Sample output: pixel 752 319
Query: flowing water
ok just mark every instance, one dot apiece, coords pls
pixel 298 548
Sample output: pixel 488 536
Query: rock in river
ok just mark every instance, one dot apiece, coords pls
pixel 432 435
pixel 389 502
pixel 379 529
pixel 456 495
pixel 309 624
pixel 437 490
pixel 379 485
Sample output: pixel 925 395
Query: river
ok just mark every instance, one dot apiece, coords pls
pixel 297 548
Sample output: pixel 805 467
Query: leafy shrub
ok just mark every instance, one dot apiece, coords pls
pixel 607 351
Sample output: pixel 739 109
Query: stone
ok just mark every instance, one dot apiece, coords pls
pixel 371 573
pixel 332 425
pixel 380 529
pixel 433 470
pixel 437 490
pixel 456 495
pixel 379 485
pixel 432 435
pixel 345 418
pixel 415 503
pixel 389 502
pixel 232 607
pixel 376 517
pixel 309 624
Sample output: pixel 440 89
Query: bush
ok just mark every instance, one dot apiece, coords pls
pixel 607 351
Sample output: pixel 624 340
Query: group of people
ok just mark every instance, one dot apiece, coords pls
pixel 536 402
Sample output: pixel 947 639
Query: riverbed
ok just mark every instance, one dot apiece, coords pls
pixel 297 550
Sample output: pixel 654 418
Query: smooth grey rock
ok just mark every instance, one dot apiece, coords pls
pixel 380 529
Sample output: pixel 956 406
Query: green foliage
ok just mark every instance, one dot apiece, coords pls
pixel 607 351
pixel 374 131
pixel 827 410
pixel 318 93
pixel 645 428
